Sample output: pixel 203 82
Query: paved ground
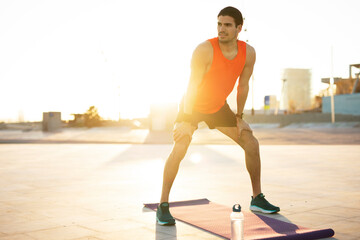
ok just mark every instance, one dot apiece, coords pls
pixel 268 134
pixel 95 191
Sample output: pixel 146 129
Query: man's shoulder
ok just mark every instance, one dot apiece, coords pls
pixel 204 47
pixel 250 49
pixel 204 50
pixel 250 54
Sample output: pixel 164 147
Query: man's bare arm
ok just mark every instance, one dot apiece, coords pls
pixel 243 87
pixel 200 63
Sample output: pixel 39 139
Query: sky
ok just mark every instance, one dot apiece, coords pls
pixel 123 56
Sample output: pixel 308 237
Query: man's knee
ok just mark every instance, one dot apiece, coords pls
pixel 180 148
pixel 250 144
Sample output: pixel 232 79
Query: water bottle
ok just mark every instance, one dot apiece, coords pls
pixel 237 223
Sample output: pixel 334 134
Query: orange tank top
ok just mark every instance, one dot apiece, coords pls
pixel 220 80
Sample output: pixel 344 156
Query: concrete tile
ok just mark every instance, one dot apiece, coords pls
pixel 62 233
pixel 312 220
pixel 88 238
pixel 345 212
pixel 97 190
pixel 112 225
pixel 76 219
pixel 9 215
pixel 352 203
pixel 17 237
pixel 208 236
pixel 169 230
pixel 293 204
pixel 25 227
pixel 342 236
pixel 138 233
pixel 357 219
pixel 171 238
pixel 13 198
pixel 345 227
pixel 199 235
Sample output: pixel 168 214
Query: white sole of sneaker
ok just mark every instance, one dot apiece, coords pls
pixel 257 209
pixel 163 223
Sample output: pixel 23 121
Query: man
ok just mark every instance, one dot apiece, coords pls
pixel 215 67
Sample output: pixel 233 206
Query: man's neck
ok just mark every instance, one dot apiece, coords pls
pixel 229 49
pixel 228 46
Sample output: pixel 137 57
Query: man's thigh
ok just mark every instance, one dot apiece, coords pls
pixel 186 139
pixel 232 132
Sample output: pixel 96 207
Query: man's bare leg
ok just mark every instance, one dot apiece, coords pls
pixel 172 166
pixel 252 158
pixel 252 155
pixel 182 135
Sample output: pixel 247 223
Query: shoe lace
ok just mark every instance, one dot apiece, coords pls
pixel 165 209
pixel 262 197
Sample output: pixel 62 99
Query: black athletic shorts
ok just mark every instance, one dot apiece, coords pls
pixel 222 118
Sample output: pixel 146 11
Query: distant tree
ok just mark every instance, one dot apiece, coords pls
pixel 292 106
pixel 92 117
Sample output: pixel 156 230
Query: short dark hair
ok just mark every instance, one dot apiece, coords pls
pixel 234 13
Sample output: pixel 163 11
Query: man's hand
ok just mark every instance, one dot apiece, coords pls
pixel 242 126
pixel 183 129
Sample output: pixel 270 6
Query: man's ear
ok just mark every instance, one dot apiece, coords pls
pixel 239 27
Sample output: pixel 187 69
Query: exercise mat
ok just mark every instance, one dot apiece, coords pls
pixel 215 218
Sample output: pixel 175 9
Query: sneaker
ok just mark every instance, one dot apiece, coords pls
pixel 260 204
pixel 163 215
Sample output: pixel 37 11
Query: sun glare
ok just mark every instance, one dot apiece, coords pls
pixel 98 54
pixel 196 157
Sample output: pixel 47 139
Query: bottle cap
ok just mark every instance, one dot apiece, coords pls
pixel 237 208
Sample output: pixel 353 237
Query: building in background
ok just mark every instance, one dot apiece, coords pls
pixel 51 121
pixel 270 104
pixel 296 91
pixel 347 93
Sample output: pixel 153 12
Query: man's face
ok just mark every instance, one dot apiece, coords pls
pixel 227 31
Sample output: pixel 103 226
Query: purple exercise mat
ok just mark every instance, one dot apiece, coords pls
pixel 215 218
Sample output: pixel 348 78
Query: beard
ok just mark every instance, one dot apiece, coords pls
pixel 226 38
